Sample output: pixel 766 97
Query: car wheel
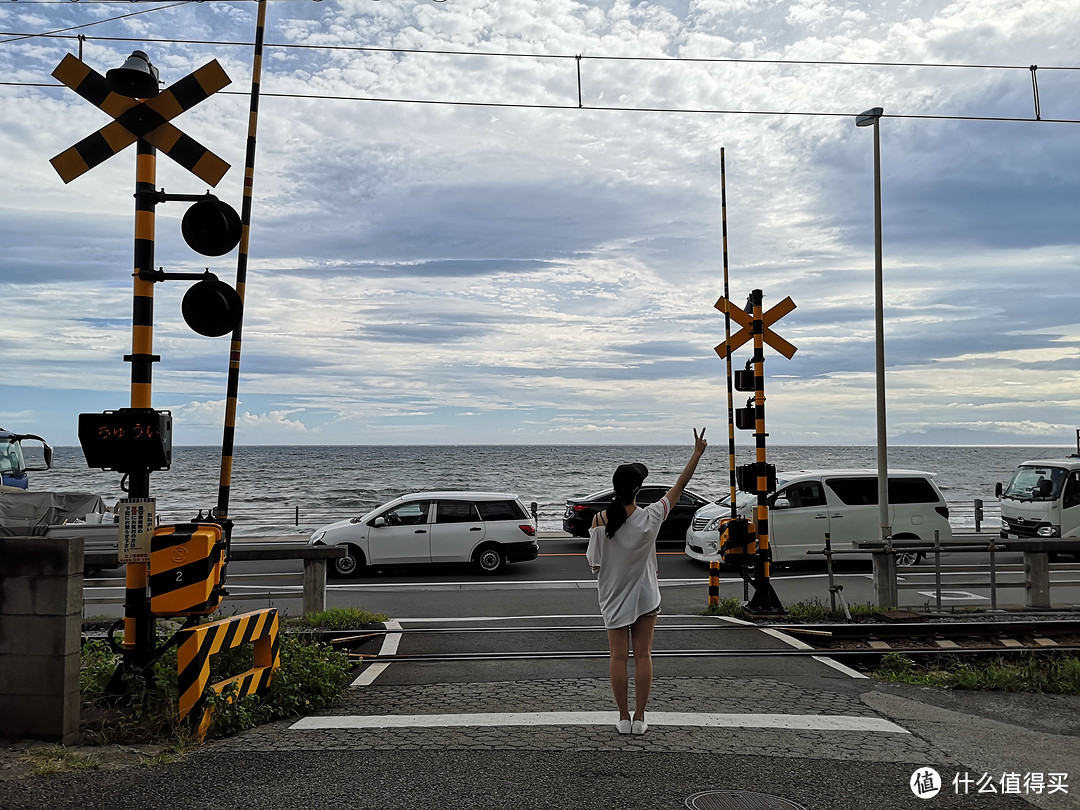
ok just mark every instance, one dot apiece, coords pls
pixel 490 559
pixel 908 557
pixel 348 566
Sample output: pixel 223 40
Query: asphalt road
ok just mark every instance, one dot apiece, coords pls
pixel 559 581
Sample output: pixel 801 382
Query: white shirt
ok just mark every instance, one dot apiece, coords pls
pixel 627 582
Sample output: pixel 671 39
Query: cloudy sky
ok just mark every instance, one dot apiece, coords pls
pixel 456 240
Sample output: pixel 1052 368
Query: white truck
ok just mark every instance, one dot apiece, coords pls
pixel 1042 499
pixel 13 467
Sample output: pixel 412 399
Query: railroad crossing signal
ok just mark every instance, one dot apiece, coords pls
pixel 746 321
pixel 135 119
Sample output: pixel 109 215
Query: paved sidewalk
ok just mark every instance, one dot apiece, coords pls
pixel 440 763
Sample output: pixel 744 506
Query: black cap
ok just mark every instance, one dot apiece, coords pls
pixel 628 477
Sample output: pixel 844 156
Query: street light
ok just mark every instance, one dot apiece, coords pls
pixel 871 118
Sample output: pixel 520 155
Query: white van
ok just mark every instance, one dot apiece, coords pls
pixel 844 503
pixel 1042 499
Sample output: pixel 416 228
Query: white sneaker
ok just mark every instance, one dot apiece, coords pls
pixel 624 726
pixel 639 727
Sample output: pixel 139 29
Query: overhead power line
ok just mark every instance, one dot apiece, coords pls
pixel 613 108
pixel 578 58
pixel 515 54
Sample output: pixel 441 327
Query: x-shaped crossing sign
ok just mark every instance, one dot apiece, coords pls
pixel 134 119
pixel 746 322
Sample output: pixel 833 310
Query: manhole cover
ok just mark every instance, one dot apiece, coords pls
pixel 739 800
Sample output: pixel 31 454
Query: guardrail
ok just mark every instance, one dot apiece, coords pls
pixel 1036 567
pixel 314 558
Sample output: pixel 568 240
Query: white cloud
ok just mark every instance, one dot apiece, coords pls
pixel 443 272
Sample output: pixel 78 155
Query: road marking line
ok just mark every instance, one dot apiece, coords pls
pixel 799 644
pixel 389 647
pixel 798 722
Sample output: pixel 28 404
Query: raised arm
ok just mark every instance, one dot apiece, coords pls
pixel 676 490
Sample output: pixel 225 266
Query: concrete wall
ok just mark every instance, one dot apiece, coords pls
pixel 41 580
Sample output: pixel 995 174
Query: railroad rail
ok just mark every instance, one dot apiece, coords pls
pixel 861 642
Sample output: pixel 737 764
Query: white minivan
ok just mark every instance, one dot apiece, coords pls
pixel 488 529
pixel 844 503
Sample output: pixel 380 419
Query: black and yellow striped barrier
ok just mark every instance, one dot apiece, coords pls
pixel 198 644
pixel 714 583
pixel 187 565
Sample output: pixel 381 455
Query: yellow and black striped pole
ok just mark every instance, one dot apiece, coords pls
pixel 139 635
pixel 765 599
pixel 229 433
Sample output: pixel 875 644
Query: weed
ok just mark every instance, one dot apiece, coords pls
pixel 312 676
pixel 1057 676
pixel 729 606
pixel 46 760
pixel 806 612
pixel 181 744
pixel 339 619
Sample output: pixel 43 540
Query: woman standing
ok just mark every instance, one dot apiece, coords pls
pixel 622 548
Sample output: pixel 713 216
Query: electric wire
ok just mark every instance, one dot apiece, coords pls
pixel 613 108
pixel 59 31
pixel 61 34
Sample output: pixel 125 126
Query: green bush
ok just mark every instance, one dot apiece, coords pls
pixel 340 619
pixel 312 676
pixel 146 710
pixel 1029 674
pixel 729 606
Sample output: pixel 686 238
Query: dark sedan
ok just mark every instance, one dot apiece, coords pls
pixel 579 511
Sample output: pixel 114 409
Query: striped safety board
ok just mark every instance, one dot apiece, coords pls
pixel 198 644
pixel 147 119
pixel 187 565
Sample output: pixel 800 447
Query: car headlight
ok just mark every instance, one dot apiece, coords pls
pixel 1049 531
pixel 1004 525
pixel 317 537
pixel 714 524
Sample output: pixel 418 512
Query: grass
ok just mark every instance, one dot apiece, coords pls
pixel 1052 676
pixel 312 676
pixel 813 611
pixel 339 619
pixel 45 760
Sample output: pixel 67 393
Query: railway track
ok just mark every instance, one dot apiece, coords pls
pixel 853 643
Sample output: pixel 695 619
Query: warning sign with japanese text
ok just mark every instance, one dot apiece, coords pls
pixel 137 519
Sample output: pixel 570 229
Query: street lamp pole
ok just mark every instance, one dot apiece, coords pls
pixel 872 118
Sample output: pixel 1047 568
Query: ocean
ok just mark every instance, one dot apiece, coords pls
pixel 289 490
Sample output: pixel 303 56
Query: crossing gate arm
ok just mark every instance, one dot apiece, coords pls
pixel 199 643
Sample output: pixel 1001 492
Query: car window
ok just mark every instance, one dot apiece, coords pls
pixel 501 510
pixel 911 490
pixel 1071 496
pixel 456 512
pixel 408 514
pixel 863 491
pixel 686 499
pixel 649 495
pixel 802 495
pixel 854 491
